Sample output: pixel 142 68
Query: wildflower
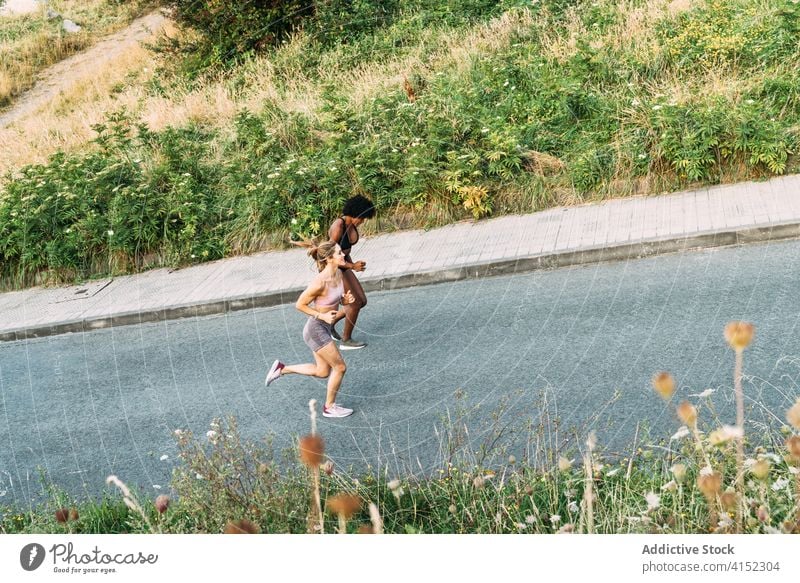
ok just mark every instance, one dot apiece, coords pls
pixel 512 460
pixel 679 471
pixel 760 469
pixel 709 484
pixel 653 501
pixel 656 107
pixel 555 519
pixel 572 506
pixel 394 485
pixel 311 450
pixel 682 432
pixel 724 434
pixel 530 519
pixel 162 503
pixel 452 509
pixel 212 436
pixel 793 415
pixel 243 526
pixel 739 335
pixel 793 445
pixel 704 394
pixel 664 385
pixel 345 505
pixel 687 413
pixel 110 233
pixel 564 464
pixel 670 486
pixel 728 500
pixel 780 484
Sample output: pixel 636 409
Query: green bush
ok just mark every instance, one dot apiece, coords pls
pixel 232 31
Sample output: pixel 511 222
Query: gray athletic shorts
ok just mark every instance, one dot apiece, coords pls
pixel 317 334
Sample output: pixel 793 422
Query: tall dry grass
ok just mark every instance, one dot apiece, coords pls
pixel 31 43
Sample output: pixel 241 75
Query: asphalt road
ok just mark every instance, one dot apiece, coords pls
pixel 572 348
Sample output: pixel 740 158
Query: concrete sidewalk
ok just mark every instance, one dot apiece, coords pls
pixel 614 230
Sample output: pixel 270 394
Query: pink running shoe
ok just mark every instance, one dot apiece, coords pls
pixel 274 372
pixel 336 410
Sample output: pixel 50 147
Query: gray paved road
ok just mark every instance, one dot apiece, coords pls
pixel 85 406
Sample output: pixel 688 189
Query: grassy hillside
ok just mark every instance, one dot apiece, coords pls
pixel 440 112
pixel 32 42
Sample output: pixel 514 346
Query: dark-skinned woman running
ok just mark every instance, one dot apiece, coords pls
pixel 344 231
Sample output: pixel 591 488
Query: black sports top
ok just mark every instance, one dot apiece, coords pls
pixel 345 242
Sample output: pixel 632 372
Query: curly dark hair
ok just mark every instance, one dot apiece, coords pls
pixel 358 207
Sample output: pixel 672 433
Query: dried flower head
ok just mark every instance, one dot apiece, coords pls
pixel 664 385
pixel 327 467
pixel 739 334
pixel 512 460
pixel 312 448
pixel 365 529
pixel 162 503
pixel 709 483
pixel 479 482
pixel 687 413
pixel 73 514
pixel 564 464
pixel 394 485
pixel 793 445
pixel 344 505
pixel 728 500
pixel 62 515
pixel 793 415
pixel 653 501
pixel 760 469
pixel 725 434
pixel 679 471
pixel 243 526
pixel 762 513
pixel 452 509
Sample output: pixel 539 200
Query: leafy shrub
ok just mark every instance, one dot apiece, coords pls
pixel 232 31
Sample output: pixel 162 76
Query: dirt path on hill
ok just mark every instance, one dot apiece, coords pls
pixel 68 72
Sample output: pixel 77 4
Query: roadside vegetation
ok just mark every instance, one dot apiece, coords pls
pixel 709 476
pixel 437 110
pixel 32 42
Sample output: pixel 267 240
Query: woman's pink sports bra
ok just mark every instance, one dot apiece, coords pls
pixel 332 296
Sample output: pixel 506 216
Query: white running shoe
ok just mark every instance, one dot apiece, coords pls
pixel 336 410
pixel 351 344
pixel 274 372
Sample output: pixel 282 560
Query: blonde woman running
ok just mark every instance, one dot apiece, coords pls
pixel 325 291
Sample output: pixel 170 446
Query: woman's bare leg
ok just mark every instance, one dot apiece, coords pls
pixel 331 356
pixel 319 369
pixel 351 311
